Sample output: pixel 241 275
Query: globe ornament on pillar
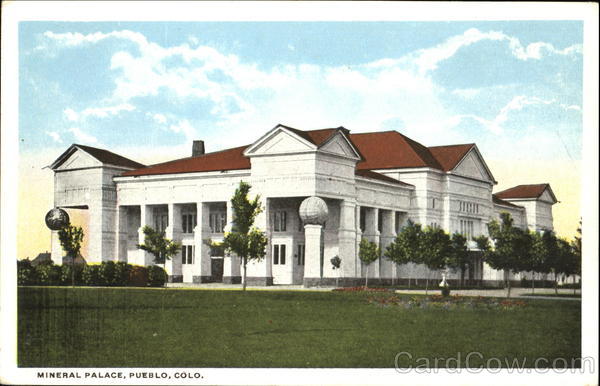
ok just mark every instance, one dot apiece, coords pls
pixel 56 219
pixel 313 211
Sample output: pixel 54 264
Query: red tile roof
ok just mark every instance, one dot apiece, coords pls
pixel 378 150
pixel 525 191
pixel 390 149
pixel 230 159
pixel 449 156
pixel 497 200
pixel 378 176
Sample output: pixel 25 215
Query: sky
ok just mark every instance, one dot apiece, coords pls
pixel 145 90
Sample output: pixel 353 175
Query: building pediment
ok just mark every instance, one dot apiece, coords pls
pixel 472 165
pixel 75 158
pixel 339 145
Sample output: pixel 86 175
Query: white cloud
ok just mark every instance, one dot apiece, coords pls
pixel 103 112
pixel 55 136
pixel 157 117
pixel 71 114
pixel 184 127
pixel 80 136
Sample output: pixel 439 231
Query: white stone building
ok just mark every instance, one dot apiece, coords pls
pixel 372 184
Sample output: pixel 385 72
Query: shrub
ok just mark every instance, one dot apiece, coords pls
pixel 106 273
pixel 156 276
pixel 138 276
pixel 89 276
pixel 445 291
pixel 48 274
pixel 121 274
pixel 26 274
pixel 65 274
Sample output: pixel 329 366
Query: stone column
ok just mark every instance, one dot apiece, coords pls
pixel 56 251
pixel 347 239
pixel 387 268
pixel 312 263
pixel 372 234
pixel 173 232
pixel 121 247
pixel 261 272
pixel 146 218
pixel 231 262
pixel 357 262
pixel 202 266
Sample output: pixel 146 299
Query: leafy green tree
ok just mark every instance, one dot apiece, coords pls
pixel 368 252
pixel 159 246
pixel 336 262
pixel 567 262
pixel 512 247
pixel 543 255
pixel 71 238
pixel 576 247
pixel 246 241
pixel 459 255
pixel 435 250
pixel 406 247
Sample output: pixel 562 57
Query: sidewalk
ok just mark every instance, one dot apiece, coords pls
pixel 515 292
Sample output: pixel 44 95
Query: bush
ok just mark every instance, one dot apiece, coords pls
pixel 89 276
pixel 445 291
pixel 138 276
pixel 106 273
pixel 121 274
pixel 48 274
pixel 65 274
pixel 26 274
pixel 157 276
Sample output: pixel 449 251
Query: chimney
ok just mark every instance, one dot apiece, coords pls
pixel 197 148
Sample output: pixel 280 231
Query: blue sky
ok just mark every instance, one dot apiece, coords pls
pixel 514 88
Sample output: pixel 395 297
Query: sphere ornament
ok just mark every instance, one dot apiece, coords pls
pixel 313 211
pixel 56 219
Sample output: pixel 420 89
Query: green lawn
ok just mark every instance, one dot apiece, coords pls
pixel 102 327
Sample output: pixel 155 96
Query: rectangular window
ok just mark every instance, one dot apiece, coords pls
pixel 379 221
pixel 363 219
pixel 187 254
pixel 161 221
pixel 279 254
pixel 300 255
pixel 282 254
pixel 188 223
pixel 217 222
pixel 280 221
pixel 276 254
pixel 433 203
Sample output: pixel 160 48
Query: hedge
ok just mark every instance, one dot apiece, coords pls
pixel 108 273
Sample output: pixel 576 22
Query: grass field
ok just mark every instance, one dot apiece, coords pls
pixel 104 327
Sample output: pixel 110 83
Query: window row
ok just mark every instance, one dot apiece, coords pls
pixel 468 207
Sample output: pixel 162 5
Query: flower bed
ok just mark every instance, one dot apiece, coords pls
pixel 448 303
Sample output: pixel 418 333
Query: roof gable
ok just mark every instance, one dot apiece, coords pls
pixel 472 165
pixel 80 156
pixel 529 192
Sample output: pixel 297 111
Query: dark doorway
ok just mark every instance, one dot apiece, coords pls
pixel 216 269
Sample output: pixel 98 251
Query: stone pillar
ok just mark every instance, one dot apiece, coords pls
pixel 387 268
pixel 56 251
pixel 146 218
pixel 231 262
pixel 347 239
pixel 202 266
pixel 372 234
pixel 312 263
pixel 357 262
pixel 173 232
pixel 121 226
pixel 261 272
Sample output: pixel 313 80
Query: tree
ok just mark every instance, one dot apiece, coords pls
pixel 406 247
pixel 566 260
pixel 159 246
pixel 512 247
pixel 246 241
pixel 368 252
pixel 71 238
pixel 576 247
pixel 336 262
pixel 459 255
pixel 543 255
pixel 435 249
